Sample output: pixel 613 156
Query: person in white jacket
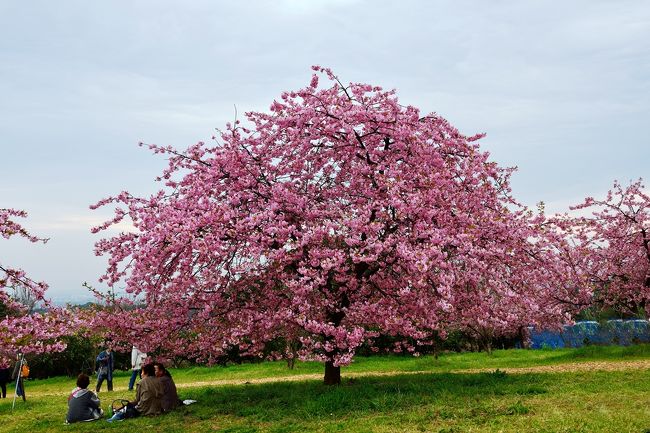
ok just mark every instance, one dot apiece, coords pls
pixel 137 360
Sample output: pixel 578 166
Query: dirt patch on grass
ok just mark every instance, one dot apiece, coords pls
pixel 571 367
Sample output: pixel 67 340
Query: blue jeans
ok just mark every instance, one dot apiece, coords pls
pixel 20 389
pixel 134 375
pixel 100 380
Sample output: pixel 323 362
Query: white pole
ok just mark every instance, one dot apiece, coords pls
pixel 18 376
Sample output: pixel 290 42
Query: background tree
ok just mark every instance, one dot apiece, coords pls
pixel 611 248
pixel 338 216
pixel 22 330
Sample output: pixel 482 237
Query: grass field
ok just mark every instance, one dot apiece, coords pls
pixel 509 391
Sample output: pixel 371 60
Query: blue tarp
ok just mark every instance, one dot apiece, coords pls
pixel 611 332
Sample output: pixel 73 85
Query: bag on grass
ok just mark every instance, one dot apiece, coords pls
pixel 124 408
pixel 117 406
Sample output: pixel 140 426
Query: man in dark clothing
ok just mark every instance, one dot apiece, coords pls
pixel 105 368
pixel 83 404
pixel 4 378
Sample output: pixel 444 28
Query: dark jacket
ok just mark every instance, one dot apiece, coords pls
pixel 83 405
pixel 148 396
pixel 105 365
pixel 170 396
pixel 4 375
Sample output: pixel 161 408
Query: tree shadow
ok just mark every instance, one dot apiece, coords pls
pixel 447 393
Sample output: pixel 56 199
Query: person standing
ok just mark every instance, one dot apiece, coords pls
pixel 137 360
pixel 21 371
pixel 105 364
pixel 5 375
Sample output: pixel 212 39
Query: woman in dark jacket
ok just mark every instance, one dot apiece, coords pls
pixel 83 404
pixel 170 396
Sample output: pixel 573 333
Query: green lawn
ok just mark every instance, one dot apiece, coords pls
pixel 440 397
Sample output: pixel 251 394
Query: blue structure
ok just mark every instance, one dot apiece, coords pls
pixel 609 333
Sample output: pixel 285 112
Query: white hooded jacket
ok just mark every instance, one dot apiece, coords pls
pixel 137 358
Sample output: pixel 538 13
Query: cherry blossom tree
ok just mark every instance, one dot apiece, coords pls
pixel 22 330
pixel 611 248
pixel 337 216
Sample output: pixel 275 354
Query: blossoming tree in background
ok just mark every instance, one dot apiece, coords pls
pixel 611 248
pixel 21 329
pixel 338 216
pixel 524 283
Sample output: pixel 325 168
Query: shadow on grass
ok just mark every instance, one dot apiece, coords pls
pixel 449 394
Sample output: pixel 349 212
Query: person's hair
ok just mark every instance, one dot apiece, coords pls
pixel 149 370
pixel 162 368
pixel 83 380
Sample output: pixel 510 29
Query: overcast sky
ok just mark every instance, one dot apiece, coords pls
pixel 562 90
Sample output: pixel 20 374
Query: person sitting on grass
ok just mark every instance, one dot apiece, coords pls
pixel 148 395
pixel 170 395
pixel 83 405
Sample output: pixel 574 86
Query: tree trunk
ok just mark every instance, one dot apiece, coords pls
pixel 290 350
pixel 332 374
pixel 488 346
pixel 524 337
